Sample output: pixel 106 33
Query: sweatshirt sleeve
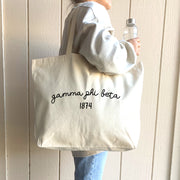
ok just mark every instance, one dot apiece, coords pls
pixel 103 50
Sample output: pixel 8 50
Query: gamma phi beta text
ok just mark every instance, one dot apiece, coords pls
pixel 85 95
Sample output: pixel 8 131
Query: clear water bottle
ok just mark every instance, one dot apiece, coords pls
pixel 130 31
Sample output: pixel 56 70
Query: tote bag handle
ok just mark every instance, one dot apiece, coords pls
pixel 71 31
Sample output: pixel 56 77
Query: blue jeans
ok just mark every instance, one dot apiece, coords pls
pixel 90 167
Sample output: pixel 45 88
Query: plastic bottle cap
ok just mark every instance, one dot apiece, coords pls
pixel 130 22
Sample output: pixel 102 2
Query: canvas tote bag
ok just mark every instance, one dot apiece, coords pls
pixel 79 108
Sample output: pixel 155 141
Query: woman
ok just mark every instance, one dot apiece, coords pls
pixel 95 41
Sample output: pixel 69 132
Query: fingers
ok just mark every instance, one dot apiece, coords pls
pixel 138 42
pixel 137 45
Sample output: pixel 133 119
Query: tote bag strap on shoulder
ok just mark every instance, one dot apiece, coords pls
pixel 71 30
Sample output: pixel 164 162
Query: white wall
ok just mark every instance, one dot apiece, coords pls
pixel 32 29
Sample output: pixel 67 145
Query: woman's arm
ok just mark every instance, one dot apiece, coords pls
pixel 103 50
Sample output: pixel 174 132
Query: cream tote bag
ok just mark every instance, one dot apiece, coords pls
pixel 78 108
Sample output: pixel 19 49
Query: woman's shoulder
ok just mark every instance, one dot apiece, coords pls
pixel 93 9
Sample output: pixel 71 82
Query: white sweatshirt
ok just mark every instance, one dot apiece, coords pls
pixel 94 40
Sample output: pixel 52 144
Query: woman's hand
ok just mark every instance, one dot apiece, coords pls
pixel 137 45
